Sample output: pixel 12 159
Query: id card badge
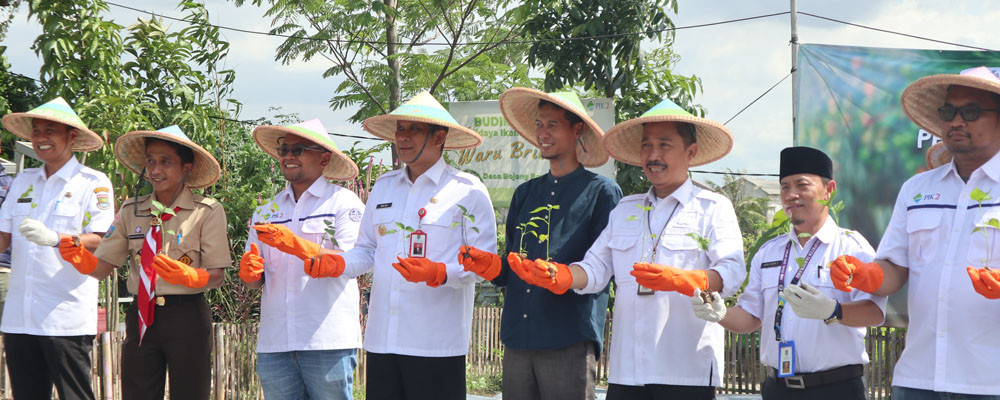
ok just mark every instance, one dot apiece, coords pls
pixel 786 359
pixel 644 291
pixel 418 243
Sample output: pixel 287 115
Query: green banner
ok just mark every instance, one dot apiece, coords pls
pixel 849 107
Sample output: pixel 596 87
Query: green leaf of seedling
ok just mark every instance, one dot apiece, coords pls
pixel 169 231
pixel 391 232
pixel 537 219
pixel 801 261
pixel 648 208
pixel 780 219
pixel 554 207
pixel 805 235
pixel 169 211
pixel 538 210
pixel 837 208
pixel 33 205
pixel 977 229
pixel 542 238
pixel 979 195
pixel 474 229
pixel 159 206
pixel 454 224
pixel 331 232
pixel 535 234
pixel 994 223
pixel 631 218
pixel 532 224
pixel 471 218
pixel 465 211
pixel 641 207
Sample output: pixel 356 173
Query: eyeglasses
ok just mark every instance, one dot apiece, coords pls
pixel 296 150
pixel 969 112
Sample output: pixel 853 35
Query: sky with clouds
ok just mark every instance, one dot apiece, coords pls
pixel 737 62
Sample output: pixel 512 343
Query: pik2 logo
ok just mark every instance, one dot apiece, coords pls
pixel 926 197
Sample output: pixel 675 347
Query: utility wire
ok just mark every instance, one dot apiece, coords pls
pixel 731 173
pixel 758 98
pixel 894 32
pixel 474 43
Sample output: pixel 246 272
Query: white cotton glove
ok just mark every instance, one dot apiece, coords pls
pixel 809 302
pixel 36 232
pixel 714 311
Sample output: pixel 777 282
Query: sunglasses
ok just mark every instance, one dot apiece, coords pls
pixel 296 150
pixel 969 112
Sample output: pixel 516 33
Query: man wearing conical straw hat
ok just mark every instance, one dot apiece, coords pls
pixel 309 316
pixel 420 312
pixel 50 317
pixel 551 340
pixel 941 240
pixel 177 245
pixel 652 248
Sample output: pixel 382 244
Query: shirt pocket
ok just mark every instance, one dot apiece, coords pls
pixel 923 235
pixel 986 232
pixel 65 218
pixel 384 225
pixel 443 231
pixel 625 252
pixel 679 250
pixel 314 230
pixel 188 252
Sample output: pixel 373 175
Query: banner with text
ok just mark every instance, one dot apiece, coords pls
pixel 505 160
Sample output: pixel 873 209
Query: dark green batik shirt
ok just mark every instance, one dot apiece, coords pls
pixel 535 318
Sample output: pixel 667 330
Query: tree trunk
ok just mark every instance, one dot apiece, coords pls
pixel 391 38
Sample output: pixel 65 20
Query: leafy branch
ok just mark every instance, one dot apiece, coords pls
pixel 331 233
pixel 548 225
pixel 465 217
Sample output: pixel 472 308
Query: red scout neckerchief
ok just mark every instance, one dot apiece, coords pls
pixel 147 275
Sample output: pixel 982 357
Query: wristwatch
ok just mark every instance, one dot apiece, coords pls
pixel 837 316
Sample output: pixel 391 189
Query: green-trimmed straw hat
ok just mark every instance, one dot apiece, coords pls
pixel 519 106
pixel 130 149
pixel 56 110
pixel 921 99
pixel 714 140
pixel 340 168
pixel 423 108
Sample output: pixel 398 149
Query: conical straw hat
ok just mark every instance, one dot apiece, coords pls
pixel 520 107
pixel 714 140
pixel 340 168
pixel 130 149
pixel 56 110
pixel 921 99
pixel 423 108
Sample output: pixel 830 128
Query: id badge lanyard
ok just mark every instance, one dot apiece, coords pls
pixel 795 279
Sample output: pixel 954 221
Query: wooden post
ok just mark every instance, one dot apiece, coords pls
pixel 220 369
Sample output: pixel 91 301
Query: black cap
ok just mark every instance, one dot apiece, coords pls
pixel 805 160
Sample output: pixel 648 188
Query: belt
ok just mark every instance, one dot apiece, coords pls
pixel 174 299
pixel 820 378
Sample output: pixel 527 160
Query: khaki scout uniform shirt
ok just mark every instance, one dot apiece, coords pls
pixel 199 238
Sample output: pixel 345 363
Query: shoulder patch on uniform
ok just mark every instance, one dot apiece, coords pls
pixel 355 215
pixel 110 231
pixel 103 195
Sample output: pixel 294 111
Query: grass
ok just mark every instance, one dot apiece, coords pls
pixel 484 384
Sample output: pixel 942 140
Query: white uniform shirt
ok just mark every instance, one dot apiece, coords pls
pixel 47 296
pixel 818 346
pixel 657 339
pixel 299 312
pixel 413 318
pixel 952 343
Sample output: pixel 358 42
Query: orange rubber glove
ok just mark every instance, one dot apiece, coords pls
pixel 325 266
pixel 848 272
pixel 178 273
pixel 669 279
pixel 482 263
pixel 542 273
pixel 251 265
pixel 282 238
pixel 516 264
pixel 81 258
pixel 421 270
pixel 986 282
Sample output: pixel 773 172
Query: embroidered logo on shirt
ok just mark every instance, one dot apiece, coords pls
pixel 103 198
pixel 185 259
pixel 926 197
pixel 381 230
pixel 355 215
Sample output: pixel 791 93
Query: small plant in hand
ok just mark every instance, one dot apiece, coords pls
pixel 980 196
pixel 465 228
pixel 544 237
pixel 331 233
pixel 158 210
pixel 645 210
pixel 523 228
pixel 27 195
pixel 703 244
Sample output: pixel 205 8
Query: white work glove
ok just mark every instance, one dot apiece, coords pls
pixel 714 311
pixel 809 302
pixel 36 232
